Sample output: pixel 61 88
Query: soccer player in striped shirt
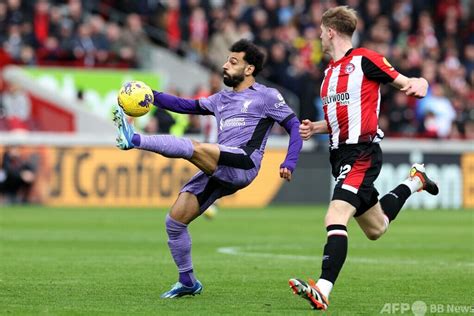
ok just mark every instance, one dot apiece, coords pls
pixel 350 93
pixel 245 116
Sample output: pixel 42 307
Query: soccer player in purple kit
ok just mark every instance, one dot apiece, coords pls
pixel 245 116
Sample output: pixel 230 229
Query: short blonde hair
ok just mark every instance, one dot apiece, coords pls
pixel 342 19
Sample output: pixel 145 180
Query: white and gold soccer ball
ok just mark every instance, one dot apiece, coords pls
pixel 211 212
pixel 135 98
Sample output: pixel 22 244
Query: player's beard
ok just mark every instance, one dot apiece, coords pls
pixel 233 81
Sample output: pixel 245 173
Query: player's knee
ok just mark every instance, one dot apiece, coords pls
pixel 203 150
pixel 339 213
pixel 196 145
pixel 372 236
pixel 374 233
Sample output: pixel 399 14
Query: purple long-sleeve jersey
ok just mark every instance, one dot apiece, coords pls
pixel 244 118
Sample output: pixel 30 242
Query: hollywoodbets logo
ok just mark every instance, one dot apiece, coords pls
pixel 342 98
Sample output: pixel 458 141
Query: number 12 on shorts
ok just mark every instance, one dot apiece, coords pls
pixel 343 172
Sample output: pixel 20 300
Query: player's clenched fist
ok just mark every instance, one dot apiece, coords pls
pixel 417 87
pixel 285 173
pixel 306 129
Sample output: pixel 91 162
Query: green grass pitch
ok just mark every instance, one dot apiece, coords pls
pixel 66 261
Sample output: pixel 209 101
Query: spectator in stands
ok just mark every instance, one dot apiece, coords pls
pixel 160 123
pixel 198 31
pixel 27 34
pixel 285 12
pixel 14 41
pixel 371 12
pixel 119 51
pixel 101 43
pixel 278 64
pixel 50 51
pixel 84 47
pixel 401 116
pixel 463 111
pixel 172 24
pixel 220 42
pixel 75 13
pixel 438 111
pixel 17 175
pixel 41 20
pixel 134 36
pixel 57 20
pixel 3 21
pixel 15 12
pixel 27 56
pixel 17 109
pixel 67 41
pixel 469 59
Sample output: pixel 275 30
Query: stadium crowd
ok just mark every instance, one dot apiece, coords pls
pixel 433 39
pixel 69 33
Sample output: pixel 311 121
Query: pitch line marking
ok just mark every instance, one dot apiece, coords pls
pixel 239 251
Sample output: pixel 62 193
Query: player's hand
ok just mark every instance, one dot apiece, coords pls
pixel 417 87
pixel 306 129
pixel 285 173
pixel 27 176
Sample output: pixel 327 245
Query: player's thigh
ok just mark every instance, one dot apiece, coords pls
pixel 372 221
pixel 355 168
pixel 205 190
pixel 205 156
pixel 186 208
pixel 235 167
pixel 339 212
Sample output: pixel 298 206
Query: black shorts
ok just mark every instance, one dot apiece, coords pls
pixel 355 168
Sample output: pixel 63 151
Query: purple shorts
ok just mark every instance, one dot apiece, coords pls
pixel 236 169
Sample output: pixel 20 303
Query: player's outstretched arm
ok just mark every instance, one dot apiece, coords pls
pixel 294 147
pixel 177 104
pixel 308 128
pixel 414 87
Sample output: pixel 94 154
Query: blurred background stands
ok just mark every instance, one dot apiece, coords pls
pixel 434 39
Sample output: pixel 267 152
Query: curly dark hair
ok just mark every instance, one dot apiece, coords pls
pixel 253 55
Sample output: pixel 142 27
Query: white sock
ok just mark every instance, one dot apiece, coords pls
pixel 386 222
pixel 325 286
pixel 414 184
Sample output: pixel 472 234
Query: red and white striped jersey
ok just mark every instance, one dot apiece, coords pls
pixel 351 96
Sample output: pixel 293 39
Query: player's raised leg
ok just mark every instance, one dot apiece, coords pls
pixel 204 156
pixel 125 130
pixel 376 220
pixel 416 181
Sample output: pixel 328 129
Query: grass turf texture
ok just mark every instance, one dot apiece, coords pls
pixel 116 261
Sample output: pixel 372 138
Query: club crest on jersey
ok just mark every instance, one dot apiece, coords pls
pixel 349 68
pixel 245 107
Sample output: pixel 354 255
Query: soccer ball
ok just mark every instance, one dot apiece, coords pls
pixel 135 98
pixel 211 212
